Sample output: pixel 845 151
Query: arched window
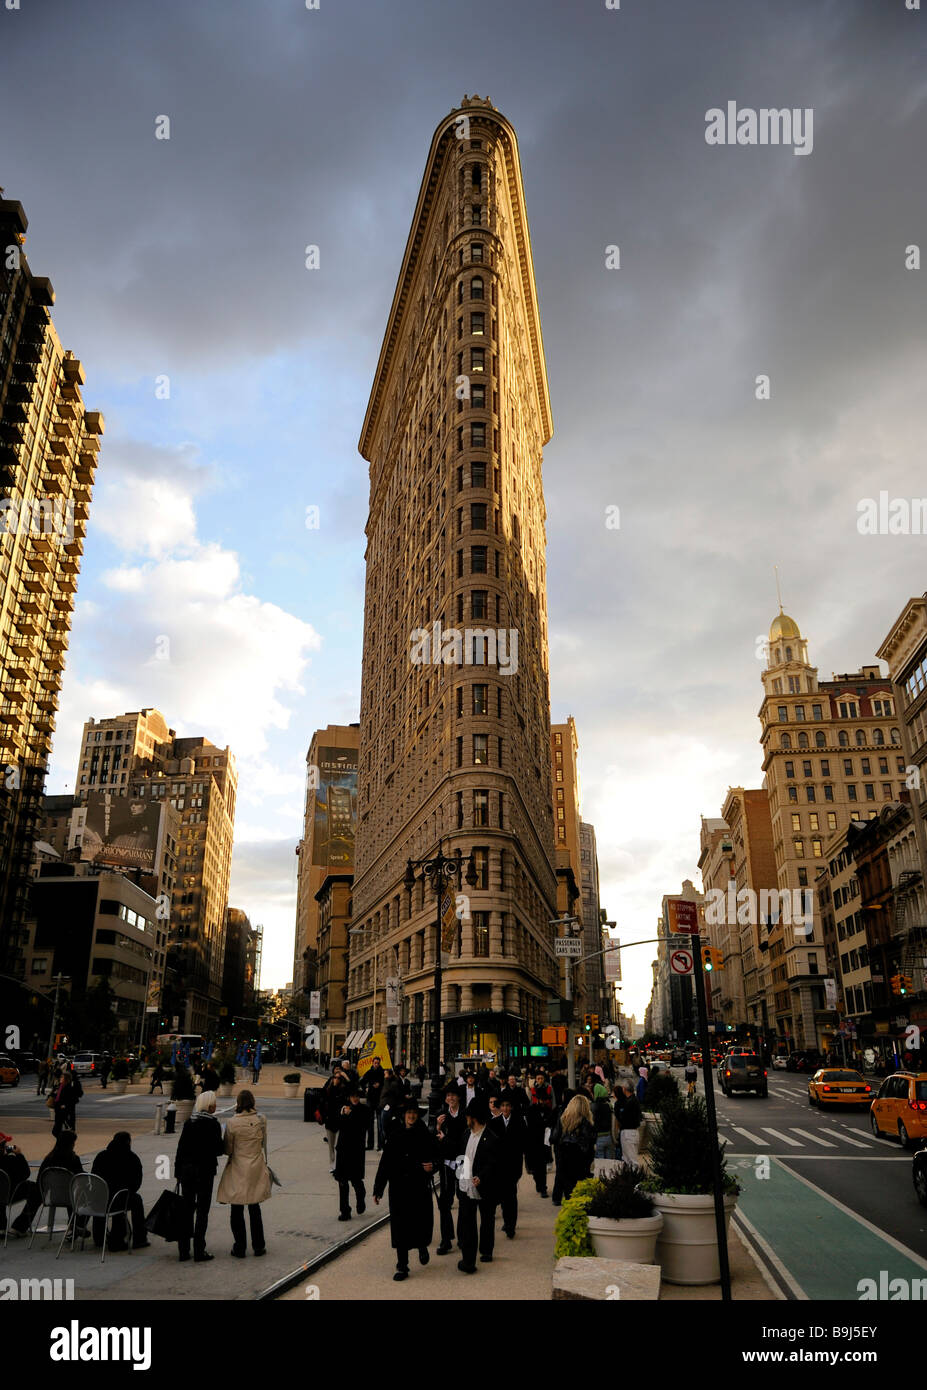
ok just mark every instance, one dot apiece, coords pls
pixel 820 739
pixel 878 738
pixel 803 740
pixel 788 653
pixel 785 740
pixel 896 738
pixel 843 739
pixel 476 287
pixel 860 738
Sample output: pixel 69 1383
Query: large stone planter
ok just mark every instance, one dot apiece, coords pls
pixel 120 1087
pixel 291 1088
pixel 225 1088
pixel 687 1247
pixel 628 1239
pixel 184 1111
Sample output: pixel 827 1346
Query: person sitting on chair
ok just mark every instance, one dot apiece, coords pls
pixel 120 1168
pixel 61 1156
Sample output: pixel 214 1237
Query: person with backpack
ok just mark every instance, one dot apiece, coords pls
pixel 574 1138
pixel 691 1076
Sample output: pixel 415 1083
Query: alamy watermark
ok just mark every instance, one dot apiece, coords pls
pixel 744 906
pixel 38 517
pixel 895 516
pixel 475 646
pixel 768 126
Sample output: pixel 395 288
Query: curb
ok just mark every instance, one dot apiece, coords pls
pixel 288 1281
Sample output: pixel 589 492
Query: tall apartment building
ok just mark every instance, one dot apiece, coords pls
pixel 48 455
pixel 831 754
pixel 326 846
pixel 138 754
pixel 455 712
pixel 589 980
pixel 600 995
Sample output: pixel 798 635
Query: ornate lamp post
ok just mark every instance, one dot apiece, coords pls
pixel 441 871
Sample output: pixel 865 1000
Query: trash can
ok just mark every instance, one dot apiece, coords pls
pixel 170 1119
pixel 308 1104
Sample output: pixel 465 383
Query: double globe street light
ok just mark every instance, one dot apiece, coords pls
pixel 443 872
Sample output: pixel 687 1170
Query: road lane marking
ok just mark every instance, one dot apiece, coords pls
pixel 754 1139
pixel 824 1143
pixel 857 1143
pixel 795 1143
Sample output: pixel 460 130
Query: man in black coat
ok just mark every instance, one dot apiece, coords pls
pixel 512 1132
pixel 15 1165
pixel 407 1165
pixel 121 1169
pixel 373 1084
pixel 516 1095
pixel 195 1165
pixel 478 1189
pixel 451 1133
pixel 349 1153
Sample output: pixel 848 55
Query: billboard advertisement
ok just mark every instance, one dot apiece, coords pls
pixel 122 831
pixel 335 809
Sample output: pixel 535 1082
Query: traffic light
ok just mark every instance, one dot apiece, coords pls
pixel 712 958
pixel 587 1022
pixel 595 1022
pixel 580 1040
pixel 896 985
pixel 905 984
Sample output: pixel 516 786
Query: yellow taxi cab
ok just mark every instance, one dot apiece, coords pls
pixel 9 1071
pixel 900 1108
pixel 835 1086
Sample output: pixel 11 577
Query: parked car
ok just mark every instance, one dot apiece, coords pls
pixel 831 1086
pixel 743 1072
pixel 900 1108
pixel 780 1062
pixel 678 1059
pixel 27 1062
pixel 9 1071
pixel 919 1176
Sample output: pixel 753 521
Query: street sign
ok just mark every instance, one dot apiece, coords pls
pixel 683 916
pixel 568 946
pixel 681 961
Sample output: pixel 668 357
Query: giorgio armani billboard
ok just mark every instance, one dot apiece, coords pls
pixel 121 831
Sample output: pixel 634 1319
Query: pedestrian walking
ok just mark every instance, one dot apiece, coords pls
pixel 334 1094
pixel 350 1148
pixel 67 1096
pixel 629 1133
pixel 406 1167
pixel 575 1141
pixel 539 1119
pixel 195 1166
pixel 602 1118
pixel 373 1084
pixel 245 1181
pixel 451 1137
pixel 478 1189
pixel 512 1133
pixel 256 1066
pixel 157 1078
pixel 642 1076
pixel 391 1101
pixel 45 1071
pixel 209 1080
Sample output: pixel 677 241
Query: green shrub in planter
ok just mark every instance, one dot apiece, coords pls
pixel 120 1070
pixel 292 1078
pixel 182 1088
pixel 571 1229
pixel 617 1197
pixel 680 1152
pixel 227 1074
pixel 662 1090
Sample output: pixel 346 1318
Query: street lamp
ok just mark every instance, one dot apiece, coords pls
pixel 441 871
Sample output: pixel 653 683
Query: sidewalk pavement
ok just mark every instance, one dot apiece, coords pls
pixel 300 1219
pixel 521 1269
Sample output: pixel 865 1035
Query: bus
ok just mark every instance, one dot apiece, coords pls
pixel 165 1041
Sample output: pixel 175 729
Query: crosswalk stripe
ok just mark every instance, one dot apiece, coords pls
pixel 824 1143
pixel 795 1143
pixel 857 1143
pixel 754 1139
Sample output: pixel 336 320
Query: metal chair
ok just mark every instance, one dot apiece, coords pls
pixel 89 1198
pixel 7 1198
pixel 55 1189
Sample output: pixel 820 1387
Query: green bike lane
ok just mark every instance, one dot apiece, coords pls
pixel 814 1245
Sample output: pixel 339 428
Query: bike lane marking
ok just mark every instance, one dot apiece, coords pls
pixel 820 1246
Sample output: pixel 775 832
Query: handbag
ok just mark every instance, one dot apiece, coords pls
pixel 50 1102
pixel 274 1180
pixel 169 1218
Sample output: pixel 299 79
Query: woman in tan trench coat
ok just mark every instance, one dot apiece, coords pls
pixel 246 1180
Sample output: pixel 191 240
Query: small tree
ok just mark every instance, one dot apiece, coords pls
pixel 661 1090
pixel 680 1153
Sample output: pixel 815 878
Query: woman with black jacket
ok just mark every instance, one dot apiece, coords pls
pixel 195 1165
pixel 61 1156
pixel 539 1118
pixel 574 1138
pixel 406 1167
pixel 451 1135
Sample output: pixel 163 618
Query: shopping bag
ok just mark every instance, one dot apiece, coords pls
pixel 169 1217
